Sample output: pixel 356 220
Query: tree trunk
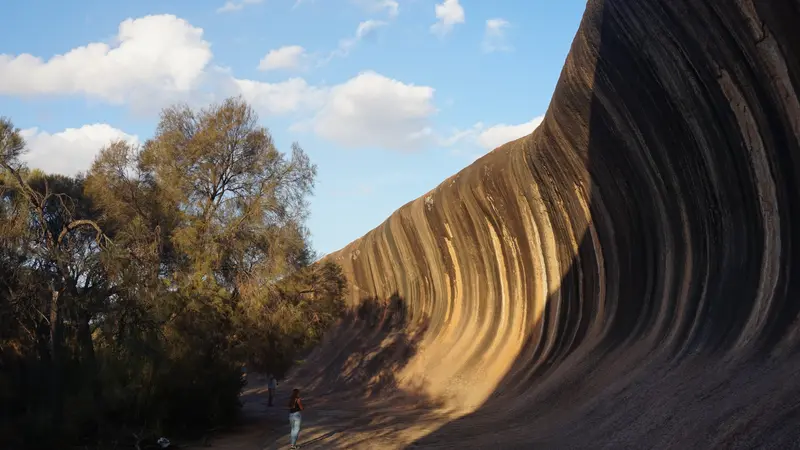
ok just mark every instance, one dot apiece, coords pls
pixel 56 381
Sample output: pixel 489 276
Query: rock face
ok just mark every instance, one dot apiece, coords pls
pixel 624 277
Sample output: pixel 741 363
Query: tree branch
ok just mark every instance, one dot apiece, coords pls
pixel 77 224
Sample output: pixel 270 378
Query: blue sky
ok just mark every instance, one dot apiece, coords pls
pixel 388 97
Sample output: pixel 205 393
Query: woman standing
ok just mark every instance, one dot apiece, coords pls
pixel 295 406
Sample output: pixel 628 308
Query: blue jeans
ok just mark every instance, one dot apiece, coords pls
pixel 294 421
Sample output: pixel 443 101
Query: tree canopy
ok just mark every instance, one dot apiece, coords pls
pixel 134 292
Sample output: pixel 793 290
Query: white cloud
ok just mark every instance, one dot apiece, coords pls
pixel 448 14
pixel 72 150
pixel 366 30
pixel 152 54
pixel 491 137
pixel 163 59
pixel 290 96
pixel 461 135
pixel 494 36
pixel 372 110
pixel 158 60
pixel 231 6
pixel 288 57
pixel 367 111
pixel 498 135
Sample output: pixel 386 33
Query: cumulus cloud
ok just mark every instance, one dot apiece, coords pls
pixel 290 96
pixel 367 111
pixel 158 57
pixel 157 60
pixel 372 110
pixel 288 57
pixel 448 14
pixel 494 36
pixel 151 54
pixel 231 6
pixel 492 137
pixel 72 150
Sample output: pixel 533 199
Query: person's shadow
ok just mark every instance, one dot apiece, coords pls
pixel 318 438
pixel 277 443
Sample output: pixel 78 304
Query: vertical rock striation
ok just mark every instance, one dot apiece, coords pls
pixel 625 276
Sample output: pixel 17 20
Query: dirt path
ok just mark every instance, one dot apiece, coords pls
pixel 328 422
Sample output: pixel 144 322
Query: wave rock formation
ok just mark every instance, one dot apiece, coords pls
pixel 625 276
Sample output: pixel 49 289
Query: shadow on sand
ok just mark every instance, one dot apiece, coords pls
pixel 349 383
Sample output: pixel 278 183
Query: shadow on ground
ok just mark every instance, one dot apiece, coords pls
pixel 352 395
pixel 349 386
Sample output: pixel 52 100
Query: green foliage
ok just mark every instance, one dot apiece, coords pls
pixel 132 296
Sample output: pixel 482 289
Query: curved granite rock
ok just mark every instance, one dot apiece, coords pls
pixel 624 277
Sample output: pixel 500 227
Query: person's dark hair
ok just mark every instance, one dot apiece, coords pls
pixel 295 396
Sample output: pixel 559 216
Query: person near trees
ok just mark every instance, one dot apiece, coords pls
pixel 295 406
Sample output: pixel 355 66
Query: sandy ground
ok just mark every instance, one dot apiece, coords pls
pixel 695 406
pixel 329 422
